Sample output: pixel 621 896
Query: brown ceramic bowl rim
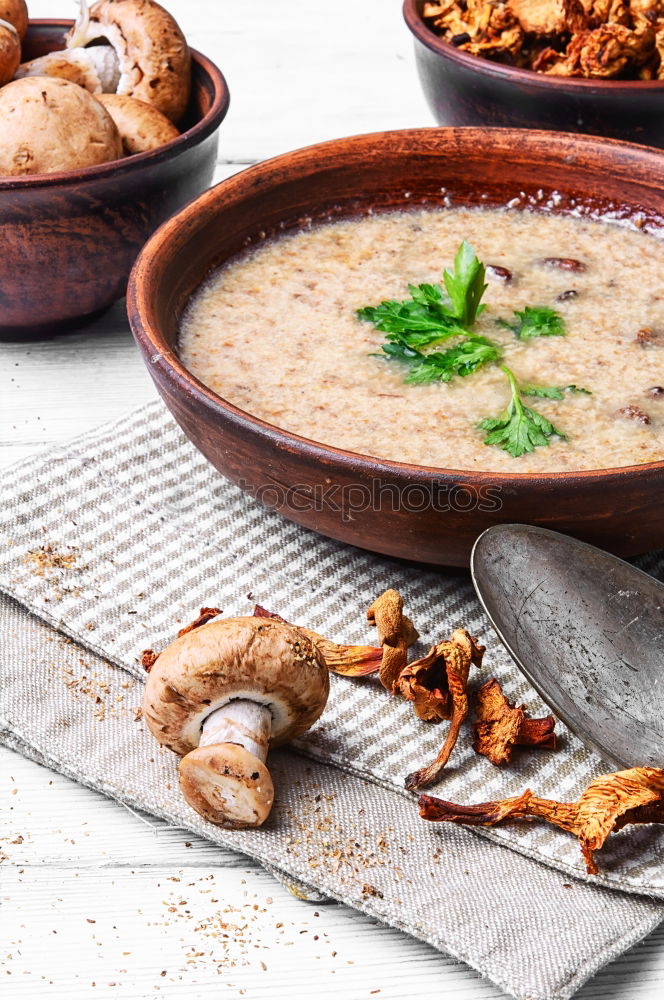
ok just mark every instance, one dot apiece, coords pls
pixel 197 133
pixel 159 355
pixel 528 77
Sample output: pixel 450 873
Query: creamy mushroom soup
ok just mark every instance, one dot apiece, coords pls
pixel 277 333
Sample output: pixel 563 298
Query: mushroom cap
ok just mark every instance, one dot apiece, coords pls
pixel 141 125
pixel 155 64
pixel 16 12
pixel 74 66
pixel 227 784
pixel 48 124
pixel 10 51
pixel 257 659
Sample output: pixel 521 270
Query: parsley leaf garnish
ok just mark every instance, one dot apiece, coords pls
pixel 433 314
pixel 465 285
pixel 464 359
pixel 577 389
pixel 400 351
pixel 419 321
pixel 535 321
pixel 431 295
pixel 429 315
pixel 552 391
pixel 545 391
pixel 519 429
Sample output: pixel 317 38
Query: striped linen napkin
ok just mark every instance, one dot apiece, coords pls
pixel 116 539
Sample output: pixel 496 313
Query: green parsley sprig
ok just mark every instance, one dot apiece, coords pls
pixel 535 321
pixel 466 285
pixel 518 430
pixel 441 366
pixel 413 322
pixel 553 391
pixel 434 314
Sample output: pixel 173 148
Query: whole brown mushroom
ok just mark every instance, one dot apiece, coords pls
pixel 10 51
pixel 16 13
pixel 141 126
pixel 144 42
pixel 218 695
pixel 48 125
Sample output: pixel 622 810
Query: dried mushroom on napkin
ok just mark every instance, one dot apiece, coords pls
pixel 436 685
pixel 609 803
pixel 395 634
pixel 500 726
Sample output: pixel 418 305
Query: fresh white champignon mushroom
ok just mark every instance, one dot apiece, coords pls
pixel 10 51
pixel 218 695
pixel 48 125
pixel 140 125
pixel 149 51
pixel 16 12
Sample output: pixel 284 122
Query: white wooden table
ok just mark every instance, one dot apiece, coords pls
pixel 98 901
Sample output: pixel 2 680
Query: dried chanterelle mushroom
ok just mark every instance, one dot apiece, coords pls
pixel 50 125
pixel 436 684
pixel 133 48
pixel 596 39
pixel 218 695
pixel 501 726
pixel 10 51
pixel 396 633
pixel 609 803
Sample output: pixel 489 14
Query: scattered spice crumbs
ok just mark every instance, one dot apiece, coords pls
pixel 230 936
pixel 47 558
pixel 52 565
pixel 84 681
pixel 346 854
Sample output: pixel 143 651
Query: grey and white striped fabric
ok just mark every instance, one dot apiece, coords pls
pixel 153 533
pixel 533 931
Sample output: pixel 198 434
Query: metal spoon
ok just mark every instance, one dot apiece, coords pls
pixel 587 630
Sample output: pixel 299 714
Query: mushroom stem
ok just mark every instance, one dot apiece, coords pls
pixel 103 57
pixel 225 778
pixel 80 28
pixel 106 63
pixel 96 69
pixel 243 722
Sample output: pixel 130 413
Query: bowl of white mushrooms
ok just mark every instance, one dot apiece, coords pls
pixel 108 125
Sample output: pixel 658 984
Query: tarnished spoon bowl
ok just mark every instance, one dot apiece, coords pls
pixel 586 629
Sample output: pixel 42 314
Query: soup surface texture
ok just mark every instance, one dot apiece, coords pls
pixel 276 333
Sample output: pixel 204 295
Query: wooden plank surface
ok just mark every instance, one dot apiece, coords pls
pixel 92 892
pixel 99 901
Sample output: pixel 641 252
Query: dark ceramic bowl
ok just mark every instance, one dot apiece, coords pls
pixel 349 496
pixel 68 240
pixel 462 89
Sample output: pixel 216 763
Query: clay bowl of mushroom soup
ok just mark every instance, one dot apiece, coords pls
pixel 488 78
pixel 298 325
pixel 69 236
